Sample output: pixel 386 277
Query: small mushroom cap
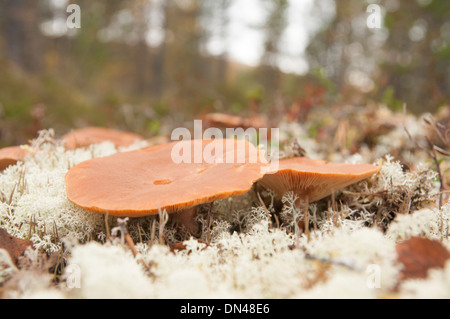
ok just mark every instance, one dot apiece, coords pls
pixel 10 155
pixel 137 183
pixel 234 121
pixel 222 119
pixel 95 135
pixel 315 179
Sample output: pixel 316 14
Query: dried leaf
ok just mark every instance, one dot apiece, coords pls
pixel 14 246
pixel 182 246
pixel 418 255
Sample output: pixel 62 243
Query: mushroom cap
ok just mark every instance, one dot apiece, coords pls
pixel 222 119
pixel 315 179
pixel 137 183
pixel 95 135
pixel 10 155
pixel 234 121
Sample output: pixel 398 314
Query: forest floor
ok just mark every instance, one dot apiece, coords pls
pixel 384 237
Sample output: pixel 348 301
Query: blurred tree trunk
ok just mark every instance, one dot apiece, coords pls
pixel 158 68
pixel 330 48
pixel 419 54
pixel 196 39
pixel 274 26
pixel 142 49
pixel 186 67
pixel 223 25
pixel 22 33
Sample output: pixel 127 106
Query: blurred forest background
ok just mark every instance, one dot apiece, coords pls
pixel 138 64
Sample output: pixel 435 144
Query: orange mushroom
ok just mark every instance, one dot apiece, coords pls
pixel 312 180
pixel 141 182
pixel 10 156
pixel 222 120
pixel 315 179
pixel 95 135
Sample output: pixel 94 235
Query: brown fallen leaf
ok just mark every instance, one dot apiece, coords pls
pixel 14 246
pixel 418 255
pixel 180 245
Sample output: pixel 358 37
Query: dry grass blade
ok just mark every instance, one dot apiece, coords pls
pixel 265 210
pixel 108 238
pixel 122 226
pixel 163 219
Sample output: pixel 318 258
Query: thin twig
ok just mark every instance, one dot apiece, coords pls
pixel 107 226
pixel 277 221
pixel 307 217
pixel 437 128
pixel 265 209
pixel 140 233
pixel 441 151
pixel 122 225
pixel 410 136
pixel 334 261
pixel 438 170
pixel 431 151
pixel 55 232
pixel 153 232
pixel 209 222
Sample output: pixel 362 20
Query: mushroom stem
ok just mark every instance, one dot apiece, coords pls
pixel 306 212
pixel 187 219
pixel 302 204
pixel 163 218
